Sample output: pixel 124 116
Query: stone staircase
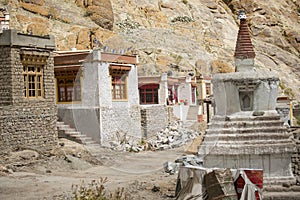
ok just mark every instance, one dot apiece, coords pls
pixel 240 134
pixel 94 148
pixel 65 131
pixel 258 142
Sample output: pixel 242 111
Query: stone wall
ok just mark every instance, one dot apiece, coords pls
pixel 120 122
pixel 154 119
pixel 26 122
pixel 296 155
pixel 5 76
pixel 33 128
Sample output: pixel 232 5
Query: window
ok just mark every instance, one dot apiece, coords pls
pixel 68 86
pixel 118 87
pixel 149 94
pixel 119 81
pixel 193 94
pixel 33 80
pixel 69 89
pixel 208 89
pixel 33 66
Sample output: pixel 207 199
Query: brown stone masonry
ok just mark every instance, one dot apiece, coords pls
pixel 28 111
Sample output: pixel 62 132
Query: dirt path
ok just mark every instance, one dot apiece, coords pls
pixel 138 173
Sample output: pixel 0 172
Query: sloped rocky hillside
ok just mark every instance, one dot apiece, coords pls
pixel 172 35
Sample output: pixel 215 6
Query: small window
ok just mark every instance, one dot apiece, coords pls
pixel 33 81
pixel 149 94
pixel 69 89
pixel 119 88
pixel 208 89
pixel 119 76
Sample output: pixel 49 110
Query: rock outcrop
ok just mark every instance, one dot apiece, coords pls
pixel 172 35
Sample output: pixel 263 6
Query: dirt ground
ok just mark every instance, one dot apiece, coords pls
pixel 27 174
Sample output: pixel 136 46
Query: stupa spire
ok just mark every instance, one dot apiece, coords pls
pixel 244 48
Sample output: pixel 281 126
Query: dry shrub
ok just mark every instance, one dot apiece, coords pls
pixel 96 191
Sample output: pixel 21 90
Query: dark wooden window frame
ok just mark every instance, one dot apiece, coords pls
pixel 149 94
pixel 68 86
pixel 119 87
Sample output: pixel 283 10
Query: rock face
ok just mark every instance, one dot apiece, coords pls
pixel 184 34
pixel 100 11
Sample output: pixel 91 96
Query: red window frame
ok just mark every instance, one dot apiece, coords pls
pixel 149 94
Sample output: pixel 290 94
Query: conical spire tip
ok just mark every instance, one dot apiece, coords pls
pixel 242 14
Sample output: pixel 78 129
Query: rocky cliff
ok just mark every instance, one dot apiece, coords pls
pixel 172 35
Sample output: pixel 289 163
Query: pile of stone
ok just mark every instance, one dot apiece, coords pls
pixel 187 160
pixel 173 136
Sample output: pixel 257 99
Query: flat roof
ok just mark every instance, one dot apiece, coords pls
pixel 77 57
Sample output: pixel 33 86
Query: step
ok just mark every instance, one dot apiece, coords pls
pixel 257 130
pixel 70 133
pixel 63 126
pixel 245 124
pixel 245 137
pixel 82 137
pixel 245 118
pixel 238 149
pixel 60 123
pixel 91 142
pixel 248 142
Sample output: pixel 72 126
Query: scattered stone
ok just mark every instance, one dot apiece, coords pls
pixel 25 155
pixel 190 160
pixel 114 143
pixel 5 170
pixel 287 185
pixel 171 168
pixel 298 180
pixel 187 160
pixel 48 171
pixel 258 113
pixel 155 188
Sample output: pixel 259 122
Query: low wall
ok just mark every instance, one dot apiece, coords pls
pixel 154 118
pixel 121 123
pixel 181 111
